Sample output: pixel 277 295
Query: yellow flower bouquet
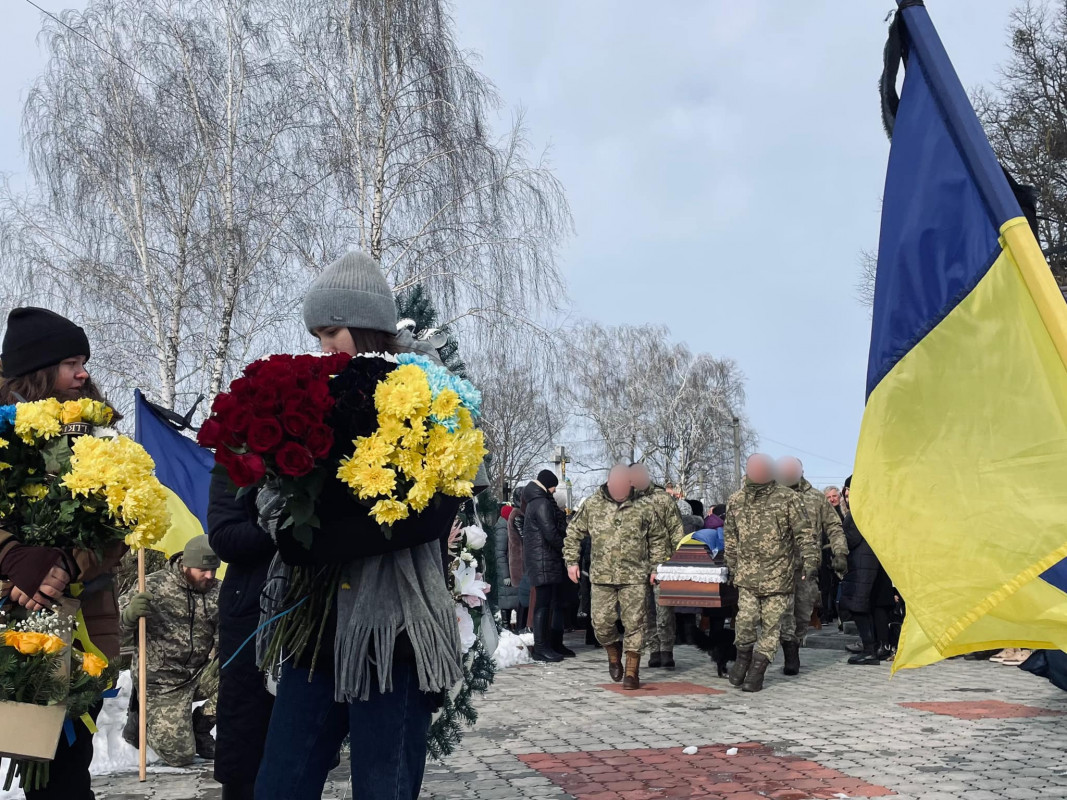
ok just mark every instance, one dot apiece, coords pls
pixel 43 681
pixel 425 442
pixel 61 486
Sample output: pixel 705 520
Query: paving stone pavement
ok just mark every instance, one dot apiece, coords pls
pixel 834 726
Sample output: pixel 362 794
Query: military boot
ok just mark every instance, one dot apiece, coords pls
pixel 633 671
pixel 614 660
pixel 655 660
pixel 754 679
pixel 205 742
pixel 740 668
pixel 667 659
pixel 792 658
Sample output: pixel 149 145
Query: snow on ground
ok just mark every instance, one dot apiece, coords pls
pixel 513 649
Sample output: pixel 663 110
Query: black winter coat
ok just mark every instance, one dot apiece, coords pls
pixel 507 597
pixel 244 704
pixel 542 537
pixel 866 583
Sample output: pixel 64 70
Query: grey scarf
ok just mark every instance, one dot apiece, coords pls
pixel 397 592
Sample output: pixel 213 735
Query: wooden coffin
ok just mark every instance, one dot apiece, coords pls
pixel 691 579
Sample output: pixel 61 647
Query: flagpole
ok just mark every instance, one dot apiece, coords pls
pixel 142 678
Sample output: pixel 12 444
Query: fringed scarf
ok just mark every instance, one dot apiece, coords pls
pixel 386 595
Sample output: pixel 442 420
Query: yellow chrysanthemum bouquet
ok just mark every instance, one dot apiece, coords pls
pixel 62 486
pixel 425 442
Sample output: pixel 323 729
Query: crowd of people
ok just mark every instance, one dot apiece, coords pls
pixel 795 555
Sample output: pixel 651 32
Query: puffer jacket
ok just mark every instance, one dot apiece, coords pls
pixel 866 583
pixel 507 597
pixel 542 537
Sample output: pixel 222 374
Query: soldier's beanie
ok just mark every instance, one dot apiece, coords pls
pixel 351 293
pixel 199 555
pixel 547 478
pixel 37 338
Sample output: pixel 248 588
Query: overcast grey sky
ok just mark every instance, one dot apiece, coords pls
pixel 723 160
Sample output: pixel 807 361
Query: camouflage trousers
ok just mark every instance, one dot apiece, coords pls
pixel 662 625
pixel 612 602
pixel 175 732
pixel 759 620
pixel 804 601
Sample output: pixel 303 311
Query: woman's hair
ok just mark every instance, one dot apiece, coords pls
pixel 372 341
pixel 41 385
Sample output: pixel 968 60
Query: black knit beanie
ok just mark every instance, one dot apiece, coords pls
pixel 547 478
pixel 37 338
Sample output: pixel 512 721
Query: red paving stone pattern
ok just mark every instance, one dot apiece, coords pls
pixel 755 773
pixel 983 709
pixel 667 689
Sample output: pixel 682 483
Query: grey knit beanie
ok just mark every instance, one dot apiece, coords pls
pixel 352 292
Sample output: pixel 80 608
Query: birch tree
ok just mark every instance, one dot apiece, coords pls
pixel 522 411
pixel 403 127
pixel 645 398
pixel 157 138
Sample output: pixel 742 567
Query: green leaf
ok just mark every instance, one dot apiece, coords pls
pixel 301 508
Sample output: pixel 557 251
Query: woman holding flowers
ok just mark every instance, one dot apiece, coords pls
pixel 391 628
pixel 44 356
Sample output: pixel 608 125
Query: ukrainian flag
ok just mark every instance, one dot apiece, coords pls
pixel 961 470
pixel 184 469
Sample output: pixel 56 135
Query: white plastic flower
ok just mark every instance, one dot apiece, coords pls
pixel 468 585
pixel 476 537
pixel 467 636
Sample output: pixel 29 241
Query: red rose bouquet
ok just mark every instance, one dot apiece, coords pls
pixel 273 424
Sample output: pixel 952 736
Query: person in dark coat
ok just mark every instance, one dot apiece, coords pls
pixel 515 566
pixel 244 704
pixel 507 594
pixel 867 597
pixel 542 542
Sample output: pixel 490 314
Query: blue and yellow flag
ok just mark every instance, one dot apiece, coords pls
pixel 961 470
pixel 184 469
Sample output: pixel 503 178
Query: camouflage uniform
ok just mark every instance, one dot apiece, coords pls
pixel 765 530
pixel 182 634
pixel 828 533
pixel 624 551
pixel 667 522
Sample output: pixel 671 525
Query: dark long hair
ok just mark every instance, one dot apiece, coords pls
pixel 41 384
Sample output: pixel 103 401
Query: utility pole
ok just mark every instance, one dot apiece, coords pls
pixel 737 451
pixel 560 460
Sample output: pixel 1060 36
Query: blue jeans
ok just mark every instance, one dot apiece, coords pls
pixel 388 736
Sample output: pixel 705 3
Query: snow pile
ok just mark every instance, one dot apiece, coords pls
pixel 512 650
pixel 111 753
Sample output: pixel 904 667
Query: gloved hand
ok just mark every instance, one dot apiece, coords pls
pixel 210 672
pixel 270 504
pixel 507 581
pixel 140 606
pixel 839 564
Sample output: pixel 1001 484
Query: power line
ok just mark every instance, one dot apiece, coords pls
pixel 805 452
